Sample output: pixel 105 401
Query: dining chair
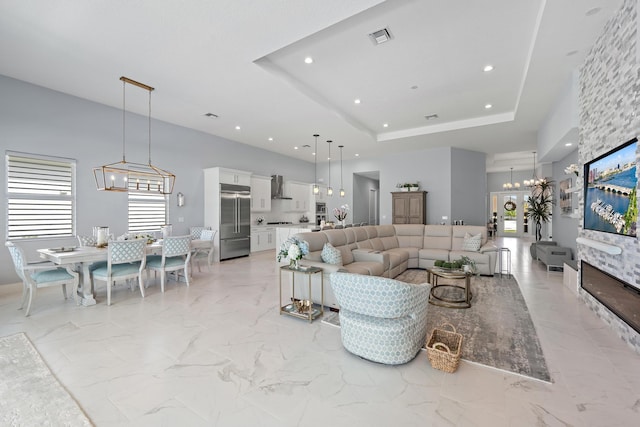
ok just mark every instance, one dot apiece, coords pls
pixel 196 232
pixel 204 247
pixel 126 260
pixel 41 275
pixel 90 241
pixel 176 256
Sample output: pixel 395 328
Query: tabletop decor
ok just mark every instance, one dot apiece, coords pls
pixel 293 249
pixel 260 220
pixel 341 213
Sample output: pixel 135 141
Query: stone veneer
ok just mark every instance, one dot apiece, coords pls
pixel 608 97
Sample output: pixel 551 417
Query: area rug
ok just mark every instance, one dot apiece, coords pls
pixel 29 393
pixel 497 329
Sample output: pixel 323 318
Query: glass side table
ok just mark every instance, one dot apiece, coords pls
pixel 300 308
pixel 504 254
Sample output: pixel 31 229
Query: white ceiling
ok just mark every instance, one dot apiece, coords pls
pixel 243 60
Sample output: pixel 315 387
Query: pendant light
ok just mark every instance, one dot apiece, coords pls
pixel 316 188
pixel 329 189
pixel 509 185
pixel 126 176
pixel 342 192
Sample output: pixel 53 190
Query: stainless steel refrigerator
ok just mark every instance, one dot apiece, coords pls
pixel 235 221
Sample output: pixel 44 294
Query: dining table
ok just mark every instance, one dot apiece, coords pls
pixel 81 258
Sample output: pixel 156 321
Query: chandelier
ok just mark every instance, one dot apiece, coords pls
pixel 534 180
pixel 511 185
pixel 126 176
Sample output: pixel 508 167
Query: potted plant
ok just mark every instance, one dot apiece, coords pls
pixel 539 208
pixel 468 265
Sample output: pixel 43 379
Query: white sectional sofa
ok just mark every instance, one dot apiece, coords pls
pixel 388 250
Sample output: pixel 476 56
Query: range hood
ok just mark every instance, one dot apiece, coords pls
pixel 277 188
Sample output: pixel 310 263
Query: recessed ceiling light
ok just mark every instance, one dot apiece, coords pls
pixel 237 127
pixel 487 106
pixel 308 60
pixel 357 101
pixel 568 144
pixel 386 125
pixel 488 68
pixel 357 155
pixel 313 154
pixel 270 139
pixel 295 148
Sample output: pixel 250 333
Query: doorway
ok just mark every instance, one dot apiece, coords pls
pixel 509 210
pixel 373 206
pixel 366 198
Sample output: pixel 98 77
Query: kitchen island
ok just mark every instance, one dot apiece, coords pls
pixel 283 232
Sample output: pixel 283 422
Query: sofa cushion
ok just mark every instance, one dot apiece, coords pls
pixel 437 237
pixel 472 243
pixel 331 255
pixel 370 268
pixel 434 254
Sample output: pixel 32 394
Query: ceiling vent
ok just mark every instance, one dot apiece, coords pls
pixel 211 115
pixel 431 117
pixel 380 36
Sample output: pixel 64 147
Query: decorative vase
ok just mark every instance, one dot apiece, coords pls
pixel 343 222
pixel 294 264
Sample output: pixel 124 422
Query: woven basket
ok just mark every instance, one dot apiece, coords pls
pixel 444 348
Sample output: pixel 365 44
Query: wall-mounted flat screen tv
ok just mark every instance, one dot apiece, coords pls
pixel 610 191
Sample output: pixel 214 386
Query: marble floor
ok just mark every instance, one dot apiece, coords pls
pixel 219 354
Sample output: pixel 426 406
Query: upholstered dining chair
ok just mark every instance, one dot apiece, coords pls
pixel 40 275
pixel 196 232
pixel 84 241
pixel 203 248
pixel 176 255
pixel 381 319
pixel 126 260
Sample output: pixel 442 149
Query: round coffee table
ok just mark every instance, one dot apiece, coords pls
pixel 434 273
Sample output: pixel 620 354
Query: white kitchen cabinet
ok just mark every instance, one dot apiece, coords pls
pixel 300 194
pixel 262 238
pixel 232 176
pixel 260 193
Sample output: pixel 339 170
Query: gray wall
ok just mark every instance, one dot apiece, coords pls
pixel 38 120
pixel 565 228
pixel 469 186
pixel 362 187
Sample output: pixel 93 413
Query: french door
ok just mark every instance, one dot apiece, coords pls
pixel 509 208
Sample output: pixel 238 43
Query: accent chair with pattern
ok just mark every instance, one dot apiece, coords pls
pixel 176 253
pixel 381 319
pixel 126 260
pixel 40 275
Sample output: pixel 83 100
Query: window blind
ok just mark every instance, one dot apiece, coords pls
pixel 40 196
pixel 147 212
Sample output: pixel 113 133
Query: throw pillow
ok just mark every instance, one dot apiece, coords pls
pixel 331 255
pixel 472 243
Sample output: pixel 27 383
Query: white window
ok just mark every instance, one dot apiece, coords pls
pixel 147 211
pixel 40 196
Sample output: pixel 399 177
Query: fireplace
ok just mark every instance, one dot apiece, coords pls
pixel 619 297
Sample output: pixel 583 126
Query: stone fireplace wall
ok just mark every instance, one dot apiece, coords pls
pixel 608 102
